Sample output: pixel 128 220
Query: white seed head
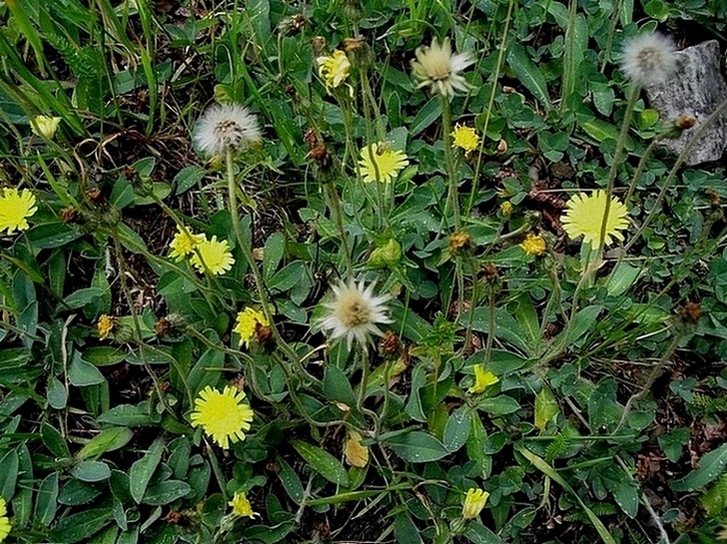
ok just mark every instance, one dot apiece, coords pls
pixel 649 59
pixel 436 67
pixel 354 312
pixel 224 127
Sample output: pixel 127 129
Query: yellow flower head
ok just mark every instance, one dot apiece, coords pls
pixel 483 379
pixel 15 208
pixel 246 323
pixel 474 502
pixel 184 243
pixel 213 256
pixel 42 125
pixel 379 163
pixel 105 326
pixel 465 138
pixel 241 506
pixel 584 216
pixel 222 414
pixel 534 245
pixel 506 208
pixel 334 69
pixel 436 67
pixel 5 525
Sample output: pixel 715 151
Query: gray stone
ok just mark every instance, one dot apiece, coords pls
pixel 696 89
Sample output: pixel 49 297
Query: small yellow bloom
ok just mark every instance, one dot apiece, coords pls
pixel 483 379
pixel 15 208
pixel 213 256
pixel 334 69
pixel 105 326
pixel 42 125
pixel 357 455
pixel 584 216
pixel 465 138
pixel 379 163
pixel 184 243
pixel 474 502
pixel 222 414
pixel 534 245
pixel 241 506
pixel 5 525
pixel 246 324
pixel 506 208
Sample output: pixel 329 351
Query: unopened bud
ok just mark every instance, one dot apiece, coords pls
pixel 460 244
pixel 387 255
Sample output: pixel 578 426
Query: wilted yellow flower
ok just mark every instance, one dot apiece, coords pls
pixel 379 163
pixel 42 125
pixel 334 69
pixel 465 138
pixel 436 67
pixel 105 326
pixel 213 256
pixel 184 243
pixel 483 379
pixel 246 324
pixel 15 208
pixel 222 414
pixel 357 455
pixel 533 245
pixel 241 506
pixel 584 216
pixel 5 525
pixel 506 208
pixel 474 502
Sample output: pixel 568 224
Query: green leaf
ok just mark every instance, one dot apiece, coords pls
pixel 166 492
pixel 107 440
pixel 83 374
pixel 81 526
pixel 546 408
pixel 673 443
pixel 54 441
pixel 290 480
pixel 622 278
pixel 46 500
pixel 710 468
pixel 104 355
pixel 336 387
pixel 126 415
pixel 626 495
pixel 479 534
pixel 458 427
pixel 417 447
pixel 429 113
pixel 56 394
pixel 273 254
pixel 82 297
pixel 499 405
pixel 91 471
pixel 528 73
pixel 322 462
pixel 287 277
pixel 9 466
pixel 143 469
pixel 187 178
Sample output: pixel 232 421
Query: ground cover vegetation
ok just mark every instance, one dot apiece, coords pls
pixel 339 271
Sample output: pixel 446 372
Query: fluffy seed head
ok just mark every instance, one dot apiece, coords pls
pixel 354 313
pixel 224 127
pixel 649 59
pixel 436 67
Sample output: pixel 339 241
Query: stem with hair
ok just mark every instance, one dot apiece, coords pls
pixel 452 196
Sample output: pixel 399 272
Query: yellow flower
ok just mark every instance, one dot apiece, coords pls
pixel 379 163
pixel 213 256
pixel 241 506
pixel 184 243
pixel 439 69
pixel 465 138
pixel 483 379
pixel 506 208
pixel 357 455
pixel 474 502
pixel 15 208
pixel 222 415
pixel 4 520
pixel 334 69
pixel 584 216
pixel 246 324
pixel 105 326
pixel 533 245
pixel 42 125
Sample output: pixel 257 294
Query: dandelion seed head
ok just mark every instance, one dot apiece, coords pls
pixel 649 58
pixel 224 127
pixel 437 68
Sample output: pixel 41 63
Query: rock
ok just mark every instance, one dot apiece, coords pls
pixel 696 89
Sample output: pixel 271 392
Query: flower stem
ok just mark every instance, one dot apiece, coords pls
pixel 452 197
pixel 337 213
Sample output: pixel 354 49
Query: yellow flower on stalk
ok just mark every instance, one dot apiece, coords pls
pixel 483 379
pixel 15 208
pixel 42 125
pixel 184 243
pixel 241 506
pixel 465 138
pixel 334 69
pixel 584 216
pixel 533 245
pixel 213 256
pixel 5 525
pixel 105 326
pixel 222 414
pixel 247 322
pixel 379 163
pixel 474 502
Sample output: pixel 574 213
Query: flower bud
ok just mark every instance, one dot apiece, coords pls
pixel 45 126
pixel 460 244
pixel 387 255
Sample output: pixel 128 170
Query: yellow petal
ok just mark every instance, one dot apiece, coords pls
pixel 356 454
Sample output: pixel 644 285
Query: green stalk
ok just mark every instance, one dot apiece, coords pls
pixel 337 213
pixel 452 196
